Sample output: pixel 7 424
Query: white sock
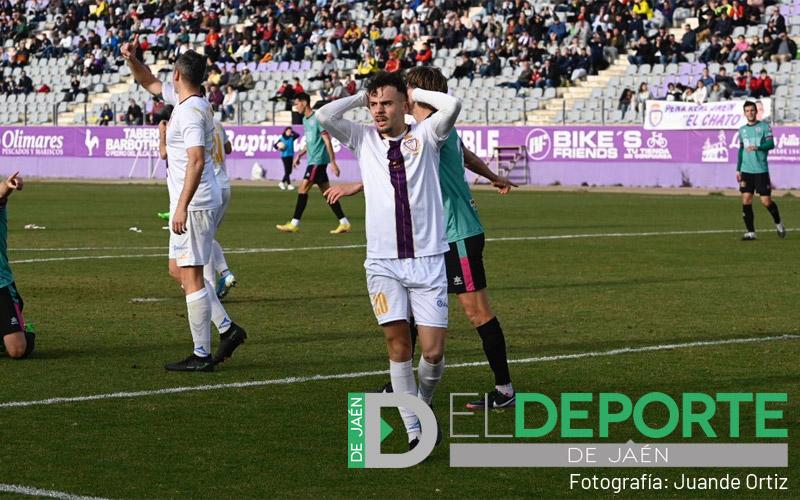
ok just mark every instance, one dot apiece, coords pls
pixel 218 315
pixel 429 377
pixel 507 389
pixel 402 376
pixel 199 314
pixel 344 220
pixel 295 222
pixel 218 258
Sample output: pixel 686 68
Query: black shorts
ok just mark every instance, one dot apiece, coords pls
pixel 464 262
pixel 11 320
pixel 758 183
pixel 317 174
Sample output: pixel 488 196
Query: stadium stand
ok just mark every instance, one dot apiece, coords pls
pixel 512 62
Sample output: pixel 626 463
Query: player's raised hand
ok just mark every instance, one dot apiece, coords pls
pixel 503 185
pixel 128 49
pixel 335 193
pixel 12 183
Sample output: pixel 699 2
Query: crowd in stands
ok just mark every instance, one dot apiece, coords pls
pixel 707 88
pixel 551 46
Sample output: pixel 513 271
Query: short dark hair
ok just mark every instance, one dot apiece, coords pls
pixel 303 97
pixel 748 104
pixel 385 79
pixel 192 66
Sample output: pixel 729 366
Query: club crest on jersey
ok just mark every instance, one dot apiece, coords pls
pixel 412 145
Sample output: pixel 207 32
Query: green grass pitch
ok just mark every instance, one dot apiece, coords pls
pixel 302 299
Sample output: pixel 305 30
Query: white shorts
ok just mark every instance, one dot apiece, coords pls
pixel 399 288
pixel 226 198
pixel 193 248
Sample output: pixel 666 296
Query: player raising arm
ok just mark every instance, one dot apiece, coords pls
pixel 405 226
pixel 195 200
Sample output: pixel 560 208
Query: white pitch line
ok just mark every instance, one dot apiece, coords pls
pixel 38 492
pixel 340 376
pixel 348 247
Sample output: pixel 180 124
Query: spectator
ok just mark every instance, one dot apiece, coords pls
pixel 470 45
pixel 215 97
pixel 743 84
pixel 700 94
pixel 25 84
pixel 717 93
pixel 247 83
pixel 762 86
pixel 726 83
pixel 298 87
pixel 706 77
pixel 284 93
pixel 106 116
pixel 465 69
pixel 229 103
pixel 327 67
pixel 712 52
pixel 776 24
pixel 523 80
pixel 393 64
pixel 550 75
pixel 581 65
pixel 235 79
pixel 625 101
pixel 783 48
pixel 689 40
pixel 642 96
pixel 644 52
pixel 740 48
pixel 134 115
pixel 673 93
pixel 425 55
pixel 367 67
pixel 492 66
pixel 350 85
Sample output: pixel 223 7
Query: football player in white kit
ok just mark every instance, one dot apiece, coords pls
pixel 195 200
pixel 218 264
pixel 405 225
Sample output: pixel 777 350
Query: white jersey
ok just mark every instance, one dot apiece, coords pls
pixel 191 125
pixel 218 156
pixel 405 215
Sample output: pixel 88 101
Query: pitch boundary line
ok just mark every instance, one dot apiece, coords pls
pixel 352 375
pixel 38 492
pixel 349 247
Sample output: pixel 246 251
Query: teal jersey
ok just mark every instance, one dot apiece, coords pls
pixel 6 278
pixel 315 146
pixel 755 162
pixel 459 206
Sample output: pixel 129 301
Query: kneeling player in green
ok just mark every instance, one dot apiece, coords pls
pixel 17 341
pixel 752 170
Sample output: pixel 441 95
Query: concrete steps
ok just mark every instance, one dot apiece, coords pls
pixel 583 90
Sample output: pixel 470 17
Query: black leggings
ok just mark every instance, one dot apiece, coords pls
pixel 287 168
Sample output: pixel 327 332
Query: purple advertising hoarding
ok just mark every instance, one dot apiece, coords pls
pixel 593 155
